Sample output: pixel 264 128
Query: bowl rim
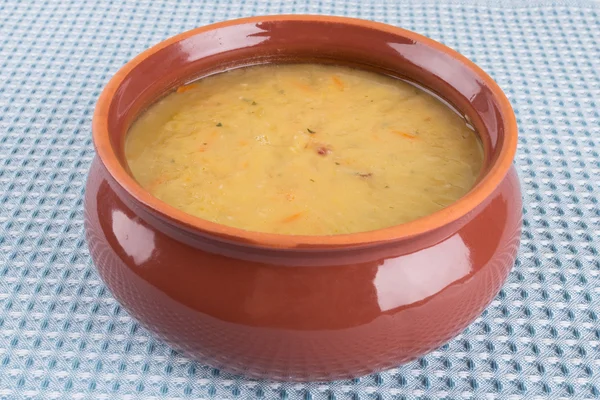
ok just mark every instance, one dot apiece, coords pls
pixel 452 213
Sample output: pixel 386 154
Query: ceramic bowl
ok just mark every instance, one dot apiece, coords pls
pixel 302 307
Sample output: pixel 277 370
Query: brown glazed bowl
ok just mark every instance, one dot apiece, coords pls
pixel 302 307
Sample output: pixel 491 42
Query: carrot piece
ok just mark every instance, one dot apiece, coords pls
pixel 303 86
pixel 185 88
pixel 158 181
pixel 290 196
pixel 338 82
pixel 406 135
pixel 203 147
pixel 292 217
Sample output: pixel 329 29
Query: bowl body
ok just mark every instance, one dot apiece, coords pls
pixel 294 307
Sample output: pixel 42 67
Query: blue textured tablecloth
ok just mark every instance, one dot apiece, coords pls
pixel 62 335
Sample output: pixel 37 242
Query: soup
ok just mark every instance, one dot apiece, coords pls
pixel 304 149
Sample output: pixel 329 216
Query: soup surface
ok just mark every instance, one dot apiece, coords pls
pixel 304 149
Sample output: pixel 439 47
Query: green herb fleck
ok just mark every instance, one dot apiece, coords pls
pixel 387 187
pixel 219 124
pixel 312 180
pixel 310 131
pixel 254 103
pixel 337 163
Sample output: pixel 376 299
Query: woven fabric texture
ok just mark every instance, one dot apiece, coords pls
pixel 62 335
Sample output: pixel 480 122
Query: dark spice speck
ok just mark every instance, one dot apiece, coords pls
pixel 323 151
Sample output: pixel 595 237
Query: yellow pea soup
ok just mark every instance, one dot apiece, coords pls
pixel 304 149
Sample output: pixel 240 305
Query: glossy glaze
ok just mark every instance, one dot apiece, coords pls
pixel 294 307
